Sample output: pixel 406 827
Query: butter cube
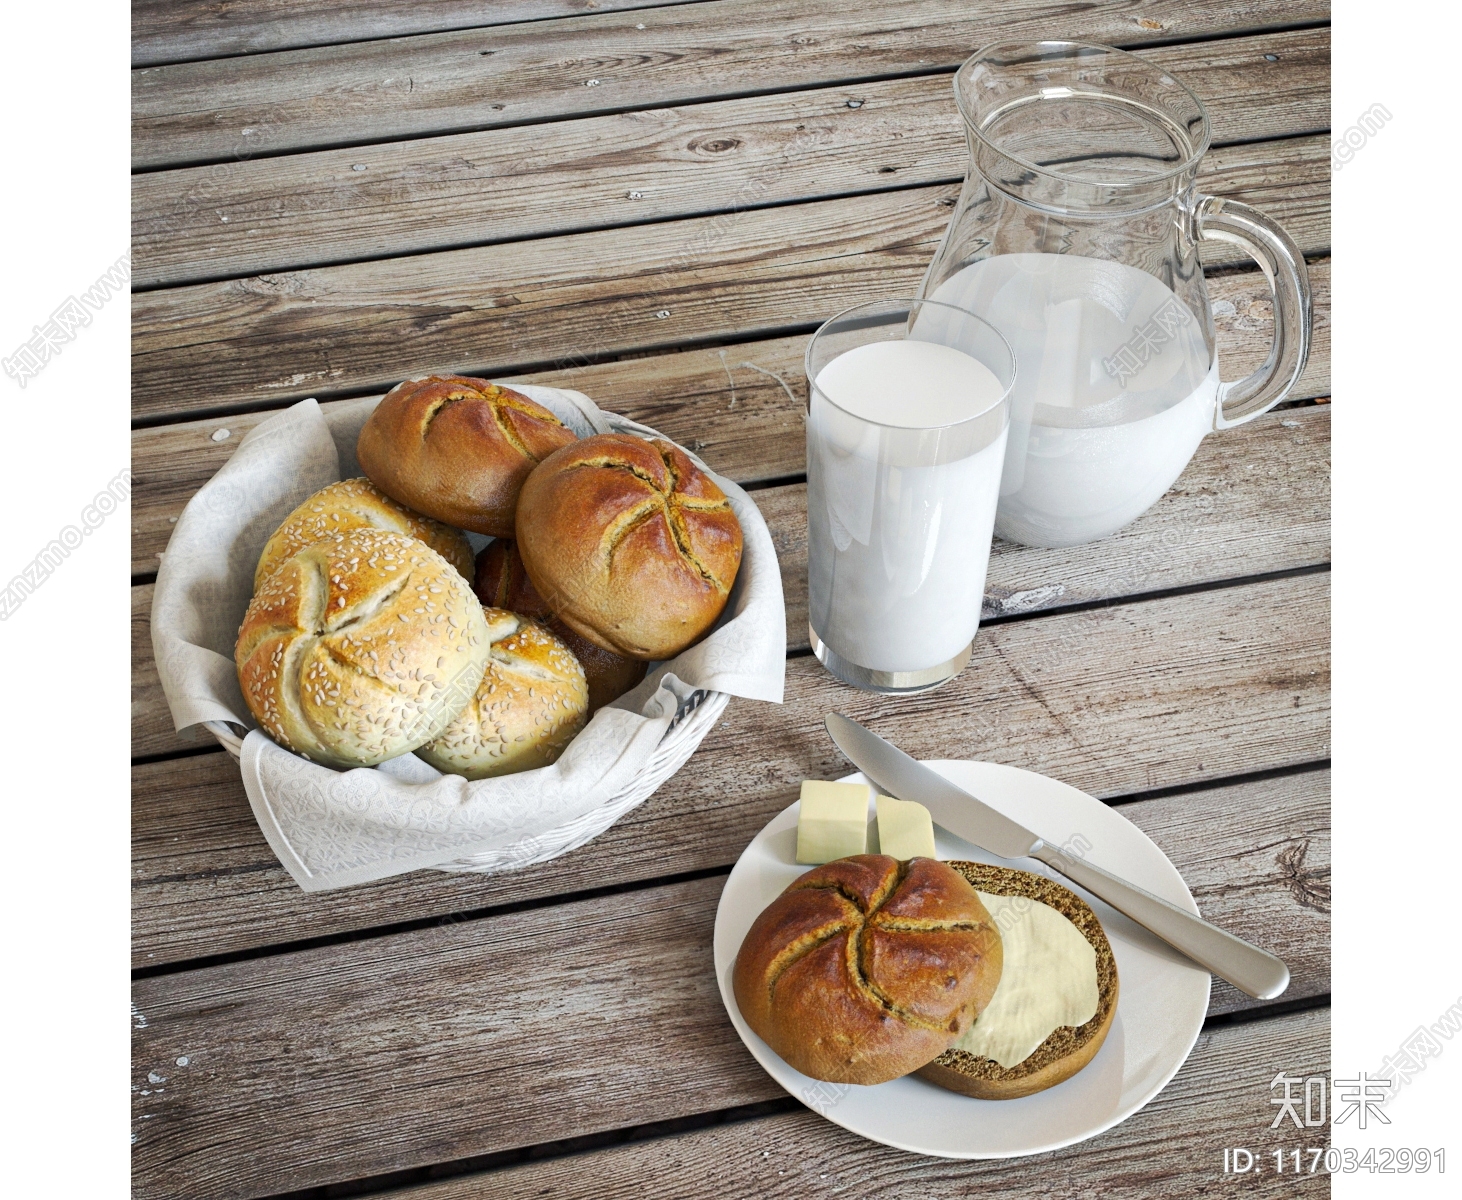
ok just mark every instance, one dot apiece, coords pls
pixel 905 829
pixel 832 822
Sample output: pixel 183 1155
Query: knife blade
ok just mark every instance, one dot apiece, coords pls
pixel 1250 969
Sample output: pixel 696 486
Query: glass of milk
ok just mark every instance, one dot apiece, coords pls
pixel 906 428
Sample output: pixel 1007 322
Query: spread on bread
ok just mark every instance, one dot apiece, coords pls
pixel 986 980
pixel 832 821
pixel 1050 980
pixel 1045 999
pixel 905 829
pixel 364 640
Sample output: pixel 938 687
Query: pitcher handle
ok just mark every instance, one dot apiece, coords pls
pixel 1217 219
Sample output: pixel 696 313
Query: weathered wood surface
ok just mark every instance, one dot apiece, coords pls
pixel 729 404
pixel 511 75
pixel 572 299
pixel 279 214
pixel 1173 1147
pixel 1254 500
pixel 1115 700
pixel 376 1055
pixel 184 30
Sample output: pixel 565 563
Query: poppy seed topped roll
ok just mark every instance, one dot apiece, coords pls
pixel 458 449
pixel 630 543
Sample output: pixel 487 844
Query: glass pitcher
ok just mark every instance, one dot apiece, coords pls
pixel 1076 235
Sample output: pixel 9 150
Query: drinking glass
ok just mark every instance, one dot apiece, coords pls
pixel 900 508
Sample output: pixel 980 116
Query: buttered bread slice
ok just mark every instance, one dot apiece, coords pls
pixel 1057 993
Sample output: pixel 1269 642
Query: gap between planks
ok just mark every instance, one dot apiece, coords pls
pixel 573 299
pixel 166 32
pixel 271 104
pixel 1116 701
pixel 518 1006
pixel 454 192
pixel 795 1153
pixel 738 406
pixel 1253 502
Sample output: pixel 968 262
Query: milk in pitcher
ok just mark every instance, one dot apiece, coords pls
pixel 1116 387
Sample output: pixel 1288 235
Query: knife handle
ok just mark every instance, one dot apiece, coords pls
pixel 1253 971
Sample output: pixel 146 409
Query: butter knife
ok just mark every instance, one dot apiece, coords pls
pixel 1251 970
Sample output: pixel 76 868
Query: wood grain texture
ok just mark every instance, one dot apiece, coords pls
pixel 574 299
pixel 1116 701
pixel 1253 501
pixel 459 1039
pixel 738 406
pixel 511 75
pixel 1173 1147
pixel 183 30
pixel 285 213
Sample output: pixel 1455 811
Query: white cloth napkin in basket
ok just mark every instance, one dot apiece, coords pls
pixel 334 828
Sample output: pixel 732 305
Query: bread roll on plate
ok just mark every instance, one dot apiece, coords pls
pixel 358 504
pixel 629 543
pixel 501 582
pixel 1068 1048
pixel 527 709
pixel 866 968
pixel 458 449
pixel 361 647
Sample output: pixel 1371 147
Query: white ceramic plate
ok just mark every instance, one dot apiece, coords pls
pixel 1160 1009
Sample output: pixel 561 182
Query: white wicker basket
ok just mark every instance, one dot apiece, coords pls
pixel 694 718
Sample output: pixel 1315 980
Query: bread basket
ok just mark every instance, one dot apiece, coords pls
pixel 202 579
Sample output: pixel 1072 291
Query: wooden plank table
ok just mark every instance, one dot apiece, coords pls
pixel 656 203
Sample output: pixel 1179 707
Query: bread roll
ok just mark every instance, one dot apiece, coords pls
pixel 361 647
pixel 866 968
pixel 527 709
pixel 502 583
pixel 1068 1049
pixel 358 504
pixel 629 543
pixel 458 449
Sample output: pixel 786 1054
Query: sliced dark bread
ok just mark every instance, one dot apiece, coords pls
pixel 1069 1048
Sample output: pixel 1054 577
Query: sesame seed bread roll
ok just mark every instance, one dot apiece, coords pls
pixel 458 449
pixel 501 582
pixel 630 543
pixel 361 647
pixel 531 703
pixel 358 504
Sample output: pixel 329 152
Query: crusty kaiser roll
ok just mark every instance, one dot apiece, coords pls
pixel 1069 1047
pixel 867 968
pixel 502 583
pixel 361 647
pixel 630 543
pixel 458 449
pixel 358 504
pixel 528 707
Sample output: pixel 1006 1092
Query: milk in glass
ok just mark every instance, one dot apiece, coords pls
pixel 901 501
pixel 1117 386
